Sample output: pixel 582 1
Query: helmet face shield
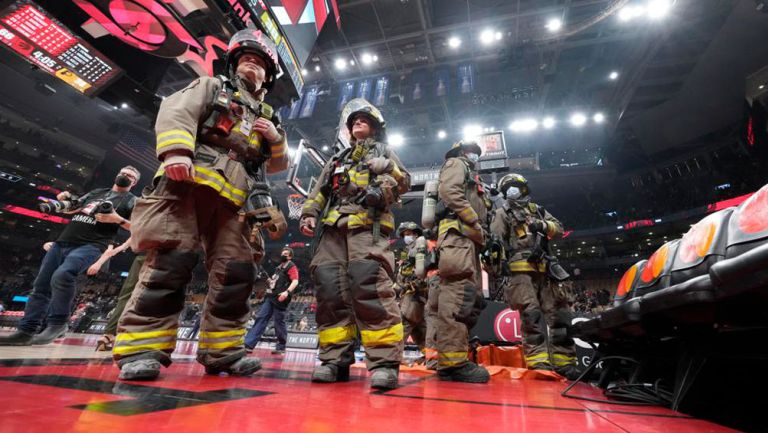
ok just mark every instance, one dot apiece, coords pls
pixel 513 193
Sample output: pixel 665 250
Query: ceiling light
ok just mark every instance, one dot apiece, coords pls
pixel 454 42
pixel 498 36
pixel 548 122
pixel 598 118
pixel 367 59
pixel 340 64
pixel 124 105
pixel 441 134
pixel 761 87
pixel 304 72
pixel 317 68
pixel 352 63
pixel 554 25
pixel 657 9
pixel 628 13
pixel 578 119
pixel 524 125
pixel 326 148
pixel 613 75
pixel 472 131
pixel 487 36
pixel 396 140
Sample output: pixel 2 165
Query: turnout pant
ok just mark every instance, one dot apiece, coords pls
pixel 459 298
pixel 352 275
pixel 541 303
pixel 172 222
pixel 125 293
pixel 266 312
pixel 430 343
pixel 414 323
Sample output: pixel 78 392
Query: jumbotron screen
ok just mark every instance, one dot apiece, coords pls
pixel 31 33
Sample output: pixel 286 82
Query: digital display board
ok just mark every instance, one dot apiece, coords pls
pixel 37 37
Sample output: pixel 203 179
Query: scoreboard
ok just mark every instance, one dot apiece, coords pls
pixel 30 32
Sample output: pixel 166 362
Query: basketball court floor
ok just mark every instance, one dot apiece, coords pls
pixel 67 387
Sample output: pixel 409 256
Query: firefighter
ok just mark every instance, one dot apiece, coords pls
pixel 536 285
pixel 411 280
pixel 460 239
pixel 348 213
pixel 217 140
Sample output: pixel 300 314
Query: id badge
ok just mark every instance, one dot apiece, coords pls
pixel 339 170
pixel 246 125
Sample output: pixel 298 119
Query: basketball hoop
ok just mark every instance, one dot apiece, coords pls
pixel 295 203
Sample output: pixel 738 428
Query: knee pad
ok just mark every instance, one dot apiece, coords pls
pixel 230 302
pixel 164 292
pixel 533 332
pixel 330 303
pixel 363 276
pixel 559 337
pixel 562 318
pixel 472 304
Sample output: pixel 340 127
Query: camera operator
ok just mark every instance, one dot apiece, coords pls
pixel 97 216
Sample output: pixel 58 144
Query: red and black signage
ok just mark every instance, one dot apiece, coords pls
pixel 31 33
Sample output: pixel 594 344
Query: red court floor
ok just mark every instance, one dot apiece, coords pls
pixel 65 387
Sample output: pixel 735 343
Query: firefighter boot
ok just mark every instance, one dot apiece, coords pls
pixel 141 369
pixel 468 373
pixel 384 378
pixel 241 367
pixel 329 373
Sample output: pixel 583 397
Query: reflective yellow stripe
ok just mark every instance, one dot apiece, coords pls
pixel 124 350
pixel 319 200
pixel 551 229
pixel 221 345
pixel 173 141
pixel 382 337
pixel 222 334
pixel 332 217
pixel 396 173
pixel 560 360
pixel 131 336
pixel 468 215
pixel 362 219
pixel 219 177
pixel 526 266
pixel 224 188
pixel 540 358
pixel 448 224
pixel 162 135
pixel 337 335
pixel 452 358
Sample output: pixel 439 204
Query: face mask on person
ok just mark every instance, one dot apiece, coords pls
pixel 122 181
pixel 283 259
pixel 514 193
pixel 408 239
pixel 473 157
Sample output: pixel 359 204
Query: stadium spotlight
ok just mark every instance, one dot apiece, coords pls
pixel 578 119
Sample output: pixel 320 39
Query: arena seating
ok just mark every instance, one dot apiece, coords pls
pixel 708 286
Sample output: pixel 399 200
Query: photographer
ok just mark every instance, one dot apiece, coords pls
pixel 97 216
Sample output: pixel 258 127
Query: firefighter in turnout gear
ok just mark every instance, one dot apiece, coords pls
pixel 412 282
pixel 460 238
pixel 348 213
pixel 217 140
pixel 536 285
